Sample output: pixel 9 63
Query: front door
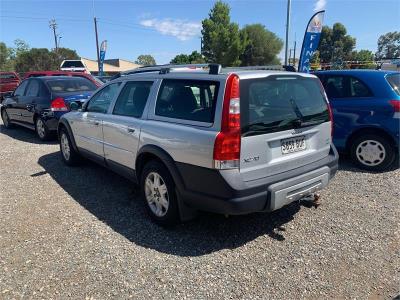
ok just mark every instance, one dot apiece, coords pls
pixel 88 124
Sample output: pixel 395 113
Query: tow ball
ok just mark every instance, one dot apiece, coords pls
pixel 314 199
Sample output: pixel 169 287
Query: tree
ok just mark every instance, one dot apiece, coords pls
pixel 20 47
pixel 262 46
pixel 6 58
pixel 315 61
pixel 363 55
pixel 145 60
pixel 66 53
pixel 389 45
pixel 193 58
pixel 221 38
pixel 36 59
pixel 335 45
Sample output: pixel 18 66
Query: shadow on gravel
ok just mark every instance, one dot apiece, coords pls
pixel 109 197
pixel 25 135
pixel 345 164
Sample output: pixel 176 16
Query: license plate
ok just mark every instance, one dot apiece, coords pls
pixel 295 144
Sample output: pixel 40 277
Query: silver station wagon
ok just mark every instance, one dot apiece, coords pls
pixel 199 137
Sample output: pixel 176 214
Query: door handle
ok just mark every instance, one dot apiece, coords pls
pixel 96 123
pixel 131 130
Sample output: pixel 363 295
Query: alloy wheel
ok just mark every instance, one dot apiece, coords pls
pixel 156 193
pixel 65 149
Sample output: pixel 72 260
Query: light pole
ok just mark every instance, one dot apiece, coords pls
pixel 97 39
pixel 287 31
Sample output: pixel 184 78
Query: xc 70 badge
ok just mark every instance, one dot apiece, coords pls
pixel 250 159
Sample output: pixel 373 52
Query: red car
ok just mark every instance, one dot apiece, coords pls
pixel 8 83
pixel 96 81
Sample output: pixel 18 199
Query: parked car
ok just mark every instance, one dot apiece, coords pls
pixel 39 102
pixel 92 78
pixel 366 111
pixel 74 65
pixel 230 142
pixel 8 83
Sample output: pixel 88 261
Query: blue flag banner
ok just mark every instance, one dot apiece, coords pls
pixel 103 49
pixel 311 41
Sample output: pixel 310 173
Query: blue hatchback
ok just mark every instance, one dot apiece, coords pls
pixel 366 113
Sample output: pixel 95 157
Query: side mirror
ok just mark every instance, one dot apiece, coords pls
pixel 74 106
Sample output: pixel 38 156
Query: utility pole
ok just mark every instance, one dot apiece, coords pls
pixel 53 25
pixel 97 38
pixel 290 55
pixel 287 31
pixel 294 54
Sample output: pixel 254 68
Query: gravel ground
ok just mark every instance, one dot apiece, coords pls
pixel 81 233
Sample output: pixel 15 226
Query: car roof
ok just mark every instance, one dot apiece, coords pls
pixel 357 72
pixel 48 78
pixel 204 75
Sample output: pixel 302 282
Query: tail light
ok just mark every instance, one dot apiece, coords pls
pixel 58 104
pixel 227 142
pixel 396 105
pixel 331 118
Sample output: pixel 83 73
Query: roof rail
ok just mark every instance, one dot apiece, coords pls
pixel 267 67
pixel 164 69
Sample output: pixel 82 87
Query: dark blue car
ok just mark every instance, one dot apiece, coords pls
pixel 39 102
pixel 366 113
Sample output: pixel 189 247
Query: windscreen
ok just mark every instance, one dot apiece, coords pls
pixel 72 64
pixel 278 103
pixel 72 84
pixel 394 81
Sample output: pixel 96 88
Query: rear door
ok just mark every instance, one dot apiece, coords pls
pixel 353 104
pixel 122 127
pixel 30 100
pixel 285 124
pixel 88 127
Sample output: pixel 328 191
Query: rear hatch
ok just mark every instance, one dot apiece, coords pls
pixel 285 124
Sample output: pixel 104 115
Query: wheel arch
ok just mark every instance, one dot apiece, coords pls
pixel 153 152
pixel 64 124
pixel 369 130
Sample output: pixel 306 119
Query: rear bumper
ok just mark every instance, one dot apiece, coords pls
pixel 224 192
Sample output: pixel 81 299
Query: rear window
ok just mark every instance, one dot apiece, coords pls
pixel 394 81
pixel 279 103
pixel 72 64
pixel 192 100
pixel 71 85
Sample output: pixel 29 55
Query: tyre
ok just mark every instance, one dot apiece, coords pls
pixel 158 193
pixel 6 119
pixel 68 154
pixel 372 152
pixel 41 129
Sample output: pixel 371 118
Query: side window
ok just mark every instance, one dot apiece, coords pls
pixel 102 100
pixel 336 87
pixel 192 100
pixel 33 88
pixel 358 89
pixel 132 99
pixel 21 88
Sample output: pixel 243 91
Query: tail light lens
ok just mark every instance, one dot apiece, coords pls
pixel 327 103
pixel 395 104
pixel 227 142
pixel 58 104
pixel 331 118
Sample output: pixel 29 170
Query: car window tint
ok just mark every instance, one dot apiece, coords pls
pixel 71 84
pixel 335 87
pixel 21 88
pixel 394 81
pixel 102 100
pixel 192 100
pixel 33 89
pixel 358 89
pixel 132 100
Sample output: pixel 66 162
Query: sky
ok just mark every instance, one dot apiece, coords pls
pixel 167 28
